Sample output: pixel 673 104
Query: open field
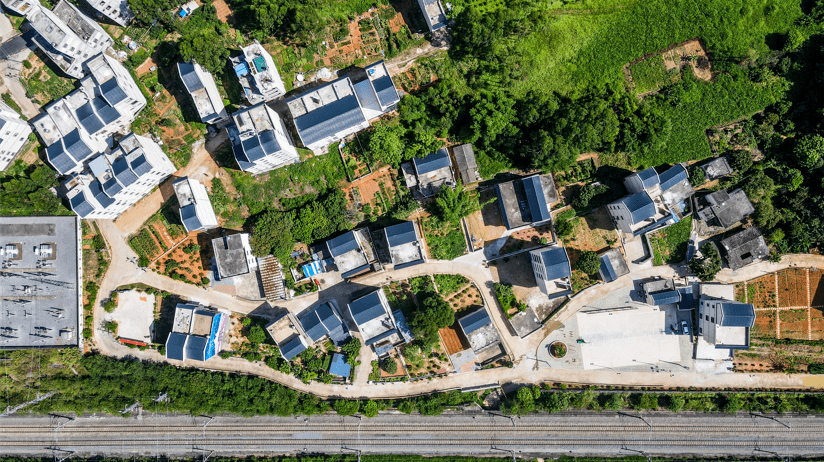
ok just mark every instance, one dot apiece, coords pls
pixel 669 246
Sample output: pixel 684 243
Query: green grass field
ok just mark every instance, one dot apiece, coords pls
pixel 669 246
pixel 589 42
pixel 649 75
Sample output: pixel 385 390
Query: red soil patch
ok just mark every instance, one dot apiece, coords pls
pixel 816 288
pixel 793 324
pixel 224 13
pixel 817 323
pixel 145 67
pixel 763 291
pixel 792 288
pixel 764 324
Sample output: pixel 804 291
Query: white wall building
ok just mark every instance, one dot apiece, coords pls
pixel 201 86
pixel 260 141
pixel 114 182
pixel 116 10
pixel 78 125
pixel 14 132
pixel 258 75
pixel 67 36
pixel 196 210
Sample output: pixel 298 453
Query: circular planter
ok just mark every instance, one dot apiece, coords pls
pixel 557 349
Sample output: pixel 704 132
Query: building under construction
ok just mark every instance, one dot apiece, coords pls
pixel 40 282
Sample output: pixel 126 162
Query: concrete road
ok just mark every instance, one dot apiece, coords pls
pixel 470 433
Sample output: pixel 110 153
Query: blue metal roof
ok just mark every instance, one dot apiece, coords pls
pixel 99 195
pixel 81 205
pixel 403 327
pixel 75 146
pixel 737 314
pixel 121 170
pixel 339 366
pixel 329 119
pixel 312 326
pixel 189 77
pixel 538 208
pixel 607 271
pixel 311 269
pixel 673 176
pixel 188 215
pixel 175 345
pixel 474 321
pixel 88 119
pixel 387 94
pixel 342 244
pixel 59 158
pixel 640 206
pixel 112 92
pixel 433 161
pixel 367 308
pixel 112 187
pixel 252 149
pixel 105 111
pixel 687 298
pixel 140 165
pixel 196 348
pixel 402 233
pixel 292 348
pixel 665 297
pixel 241 69
pixel 556 263
pixel 269 142
pixel 648 177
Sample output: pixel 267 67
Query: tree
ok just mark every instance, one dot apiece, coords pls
pixel 675 402
pixel 346 407
pixel 740 160
pixel 206 47
pixel 697 176
pixel 615 402
pixel 647 401
pixel 390 365
pixel 809 151
pixel 708 265
pixel 454 204
pixel 370 408
pixel 256 335
pixel 524 402
pixel 588 262
pixel 386 143
pixel 586 194
pixel 272 234
pixel 111 327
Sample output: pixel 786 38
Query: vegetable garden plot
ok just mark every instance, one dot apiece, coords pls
pixel 792 288
pixel 761 292
pixel 817 323
pixel 764 324
pixel 816 288
pixel 793 324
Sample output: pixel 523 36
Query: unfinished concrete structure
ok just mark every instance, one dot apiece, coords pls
pixel 14 133
pixel 41 285
pixel 202 88
pixel 257 74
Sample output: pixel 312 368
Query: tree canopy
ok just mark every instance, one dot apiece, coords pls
pixel 708 265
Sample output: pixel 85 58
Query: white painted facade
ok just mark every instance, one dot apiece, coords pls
pixel 14 132
pixel 114 182
pixel 262 82
pixel 116 10
pixel 196 212
pixel 260 141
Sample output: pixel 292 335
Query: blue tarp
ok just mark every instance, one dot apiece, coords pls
pixel 241 69
pixel 183 13
pixel 210 346
pixel 311 269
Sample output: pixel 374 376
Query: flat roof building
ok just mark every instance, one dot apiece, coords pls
pixel 284 330
pixel 350 255
pixel 723 322
pixel 77 126
pixel 526 201
pixel 40 282
pixel 433 13
pixel 196 212
pixel 115 181
pixel 116 10
pixel 14 133
pixel 613 265
pixel 260 141
pixel 716 168
pixel 257 74
pixel 197 333
pixel 233 255
pixel 550 265
pixel 375 320
pixel 68 37
pixel 745 247
pixel 466 164
pixel 324 321
pixel 404 245
pixel 202 88
pixel 479 330
pixel 430 174
pixel 726 209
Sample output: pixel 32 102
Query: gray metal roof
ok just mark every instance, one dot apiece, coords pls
pixel 367 97
pixel 640 206
pixel 105 111
pixel 99 195
pixel 648 177
pixel 196 348
pixel 59 158
pixel 433 161
pixel 189 77
pixel 665 298
pixel 112 92
pixel 402 233
pixel 269 142
pixel 538 208
pixel 387 94
pixel 672 177
pixel 88 119
pixel 81 205
pixel 292 348
pixel 607 271
pixel 465 160
pixel 342 244
pixel 474 321
pixel 188 215
pixel 367 308
pixel 737 314
pixel 140 165
pixel 687 298
pixel 121 170
pixel 556 263
pixel 252 149
pixel 175 345
pixel 112 187
pixel 329 119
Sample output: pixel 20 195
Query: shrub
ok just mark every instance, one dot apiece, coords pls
pixel 27 64
pixel 346 407
pixel 225 354
pixel 697 176
pixel 87 333
pixel 111 327
pixel 256 335
pixel 389 365
pixel 588 262
pixel 706 267
pixel 110 305
pixel 246 322
pixel 370 408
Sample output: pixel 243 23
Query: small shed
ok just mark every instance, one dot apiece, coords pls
pixel 339 366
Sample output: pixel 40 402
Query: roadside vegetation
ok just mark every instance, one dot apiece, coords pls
pixel 24 191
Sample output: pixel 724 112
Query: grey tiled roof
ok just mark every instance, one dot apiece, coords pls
pixel 402 233
pixel 252 149
pixel 648 177
pixel 112 187
pixel 367 97
pixel 367 308
pixel 607 270
pixel 112 92
pixel 387 94
pixel 140 165
pixel 59 158
pixel 105 111
pixel 474 321
pixel 269 142
pixel 81 205
pixel 76 146
pixel 665 297
pixel 196 348
pixel 329 119
pixel 433 161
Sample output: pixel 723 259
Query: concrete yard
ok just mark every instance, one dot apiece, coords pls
pixel 134 315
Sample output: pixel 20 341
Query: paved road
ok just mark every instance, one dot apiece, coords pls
pixel 470 433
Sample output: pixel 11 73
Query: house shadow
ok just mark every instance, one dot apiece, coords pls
pixel 412 16
pixel 164 323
